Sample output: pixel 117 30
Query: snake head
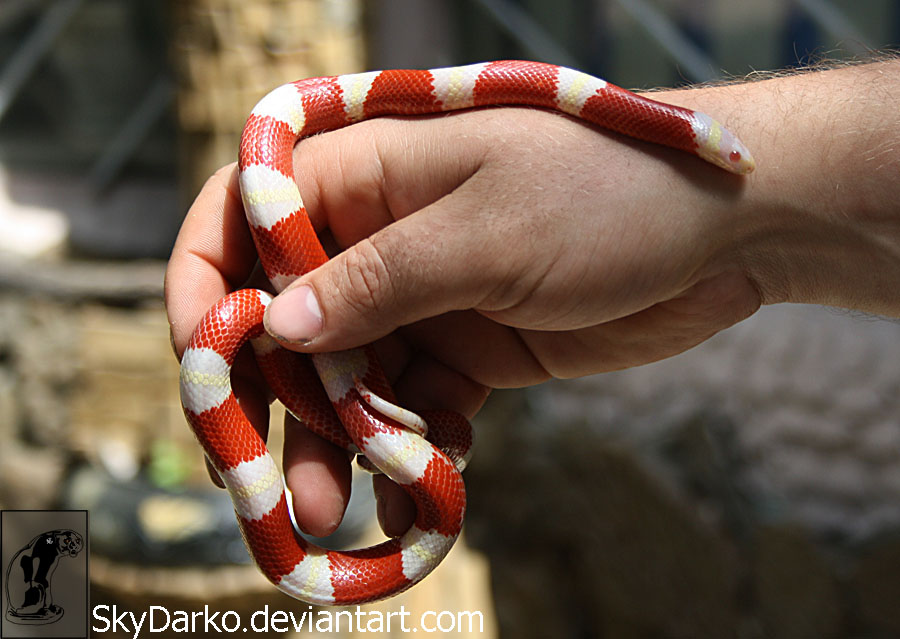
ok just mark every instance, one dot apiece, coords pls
pixel 721 147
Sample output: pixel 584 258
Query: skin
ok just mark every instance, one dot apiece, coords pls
pixel 502 247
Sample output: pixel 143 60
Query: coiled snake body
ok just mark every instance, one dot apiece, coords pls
pixel 356 409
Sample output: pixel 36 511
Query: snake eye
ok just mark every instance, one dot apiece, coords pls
pixel 742 161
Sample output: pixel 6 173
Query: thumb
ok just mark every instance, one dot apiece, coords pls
pixel 414 268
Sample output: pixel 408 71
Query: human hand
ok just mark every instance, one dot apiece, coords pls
pixel 467 344
pixel 513 245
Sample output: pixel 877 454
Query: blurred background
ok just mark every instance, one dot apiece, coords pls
pixel 748 488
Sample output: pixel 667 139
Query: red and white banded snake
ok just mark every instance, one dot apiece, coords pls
pixel 356 409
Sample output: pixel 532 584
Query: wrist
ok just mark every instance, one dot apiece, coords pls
pixel 819 220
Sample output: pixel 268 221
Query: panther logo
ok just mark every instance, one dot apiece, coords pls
pixel 28 576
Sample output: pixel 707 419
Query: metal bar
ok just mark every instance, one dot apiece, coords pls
pixel 152 107
pixel 24 61
pixel 836 24
pixel 696 65
pixel 527 32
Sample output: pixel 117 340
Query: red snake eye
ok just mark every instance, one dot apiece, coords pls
pixel 735 156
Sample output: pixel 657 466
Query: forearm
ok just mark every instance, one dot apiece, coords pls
pixel 819 220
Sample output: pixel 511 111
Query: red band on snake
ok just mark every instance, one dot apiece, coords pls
pixel 345 396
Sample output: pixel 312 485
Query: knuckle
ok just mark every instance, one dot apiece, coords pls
pixel 368 276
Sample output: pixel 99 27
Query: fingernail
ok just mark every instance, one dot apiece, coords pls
pixel 214 474
pixel 294 316
pixel 172 343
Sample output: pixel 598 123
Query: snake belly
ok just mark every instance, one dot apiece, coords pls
pixel 345 396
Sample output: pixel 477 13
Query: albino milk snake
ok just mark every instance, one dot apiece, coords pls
pixel 356 409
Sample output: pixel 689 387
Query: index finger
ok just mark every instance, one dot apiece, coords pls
pixel 213 255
